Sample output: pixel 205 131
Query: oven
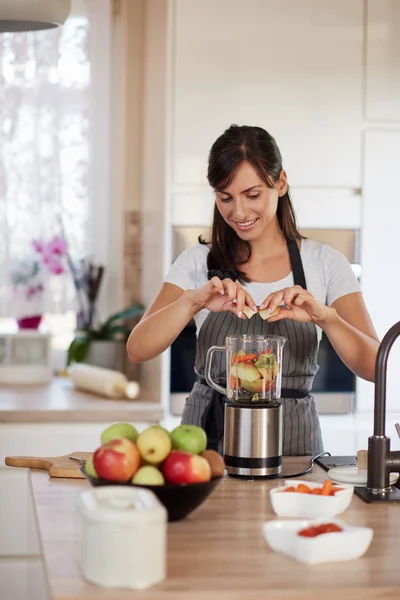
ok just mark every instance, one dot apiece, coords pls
pixel 334 386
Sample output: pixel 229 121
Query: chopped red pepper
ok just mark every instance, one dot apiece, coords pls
pixel 319 530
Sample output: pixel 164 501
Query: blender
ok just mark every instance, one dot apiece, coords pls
pixel 253 414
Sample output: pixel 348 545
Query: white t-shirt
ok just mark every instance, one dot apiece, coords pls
pixel 328 273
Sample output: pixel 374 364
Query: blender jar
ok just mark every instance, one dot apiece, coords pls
pixel 253 368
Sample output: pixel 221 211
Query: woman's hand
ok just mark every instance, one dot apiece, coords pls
pixel 222 295
pixel 299 305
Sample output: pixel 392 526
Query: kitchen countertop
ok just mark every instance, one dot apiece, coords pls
pixel 219 553
pixel 59 401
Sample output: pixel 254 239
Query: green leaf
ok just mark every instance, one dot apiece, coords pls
pixel 82 350
pixel 124 315
pixel 77 350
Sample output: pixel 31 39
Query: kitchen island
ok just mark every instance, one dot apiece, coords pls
pixel 219 553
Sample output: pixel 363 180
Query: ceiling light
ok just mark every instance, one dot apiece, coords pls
pixel 32 15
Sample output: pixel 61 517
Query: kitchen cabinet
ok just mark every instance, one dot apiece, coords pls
pixel 22 575
pixel 383 60
pixel 380 253
pixel 293 67
pixel 19 536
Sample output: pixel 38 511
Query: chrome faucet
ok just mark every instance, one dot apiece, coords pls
pixel 381 461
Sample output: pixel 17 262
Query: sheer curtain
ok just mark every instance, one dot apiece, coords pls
pixel 46 156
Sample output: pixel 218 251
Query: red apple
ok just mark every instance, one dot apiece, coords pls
pixel 183 467
pixel 117 460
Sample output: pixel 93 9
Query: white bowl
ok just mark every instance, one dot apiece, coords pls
pixel 296 504
pixel 348 544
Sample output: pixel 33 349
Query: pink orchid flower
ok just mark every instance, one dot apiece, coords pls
pixel 54 266
pixel 38 245
pixel 57 246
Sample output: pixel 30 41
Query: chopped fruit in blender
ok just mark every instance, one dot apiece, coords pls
pixel 254 373
pixel 265 360
pixel 243 358
pixel 246 371
pixel 257 387
pixel 232 382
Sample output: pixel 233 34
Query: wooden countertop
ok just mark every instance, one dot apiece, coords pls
pixel 60 401
pixel 219 553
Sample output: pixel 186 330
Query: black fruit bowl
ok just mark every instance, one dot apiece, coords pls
pixel 179 499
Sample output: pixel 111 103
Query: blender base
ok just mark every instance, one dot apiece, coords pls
pixel 254 477
pixel 253 468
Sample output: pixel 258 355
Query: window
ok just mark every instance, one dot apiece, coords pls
pixel 54 122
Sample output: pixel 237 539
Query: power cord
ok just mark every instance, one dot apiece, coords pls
pixel 312 460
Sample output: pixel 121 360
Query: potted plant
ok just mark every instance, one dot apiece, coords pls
pixel 104 345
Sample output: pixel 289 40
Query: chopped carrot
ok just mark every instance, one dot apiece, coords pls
pixel 326 488
pixel 232 382
pixel 234 359
pixel 303 489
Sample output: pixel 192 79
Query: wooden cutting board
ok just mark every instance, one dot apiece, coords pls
pixel 57 466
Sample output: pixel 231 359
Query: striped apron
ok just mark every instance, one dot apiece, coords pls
pixel 205 406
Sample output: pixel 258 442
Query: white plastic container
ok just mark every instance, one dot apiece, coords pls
pixel 123 543
pixel 296 504
pixel 348 544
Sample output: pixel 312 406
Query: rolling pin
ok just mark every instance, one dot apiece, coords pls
pixel 105 382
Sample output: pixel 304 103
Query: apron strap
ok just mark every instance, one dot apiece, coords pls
pixel 296 263
pixel 213 420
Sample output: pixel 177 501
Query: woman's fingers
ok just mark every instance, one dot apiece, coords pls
pixel 228 295
pixel 272 301
pixel 230 288
pixel 250 302
pixel 240 303
pixel 217 285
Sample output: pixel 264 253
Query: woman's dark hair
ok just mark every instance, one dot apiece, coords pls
pixel 236 145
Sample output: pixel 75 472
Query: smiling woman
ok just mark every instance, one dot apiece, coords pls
pixel 255 236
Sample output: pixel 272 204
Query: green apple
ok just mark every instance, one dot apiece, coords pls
pixel 89 467
pixel 154 445
pixel 119 431
pixel 189 438
pixel 148 475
